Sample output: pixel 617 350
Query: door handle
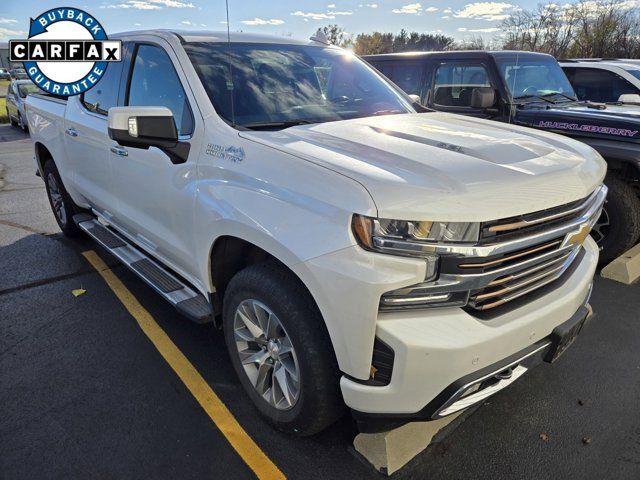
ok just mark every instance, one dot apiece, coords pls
pixel 72 132
pixel 119 151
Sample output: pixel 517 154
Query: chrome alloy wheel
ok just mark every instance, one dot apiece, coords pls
pixel 56 199
pixel 601 227
pixel 266 354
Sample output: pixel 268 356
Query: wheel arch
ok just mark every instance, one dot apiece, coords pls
pixel 42 155
pixel 229 254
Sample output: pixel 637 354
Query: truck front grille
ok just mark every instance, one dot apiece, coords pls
pixel 520 272
pixel 514 257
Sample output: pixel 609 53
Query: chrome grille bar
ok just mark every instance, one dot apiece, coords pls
pixel 533 278
pixel 508 298
pixel 523 223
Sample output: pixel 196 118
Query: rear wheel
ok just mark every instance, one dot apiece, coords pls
pixel 21 123
pixel 618 228
pixel 11 120
pixel 61 204
pixel 280 349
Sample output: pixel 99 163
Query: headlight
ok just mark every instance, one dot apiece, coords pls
pixel 405 237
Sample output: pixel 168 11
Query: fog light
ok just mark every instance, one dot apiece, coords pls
pixel 417 297
pixel 412 301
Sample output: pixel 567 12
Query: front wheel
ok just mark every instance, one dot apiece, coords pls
pixel 618 228
pixel 280 349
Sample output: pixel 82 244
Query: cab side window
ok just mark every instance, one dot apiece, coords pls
pixel 104 94
pixel 154 82
pixel 407 75
pixel 454 84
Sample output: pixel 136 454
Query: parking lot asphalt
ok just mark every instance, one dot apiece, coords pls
pixel 84 393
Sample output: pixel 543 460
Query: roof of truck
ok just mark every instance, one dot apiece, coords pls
pixel 455 54
pixel 625 65
pixel 215 36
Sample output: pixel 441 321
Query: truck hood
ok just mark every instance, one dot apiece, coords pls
pixel 615 122
pixel 444 167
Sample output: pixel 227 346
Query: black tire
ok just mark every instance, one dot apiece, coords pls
pixel 66 207
pixel 319 402
pixel 11 120
pixel 618 229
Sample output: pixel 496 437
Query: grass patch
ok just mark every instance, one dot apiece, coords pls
pixel 3 110
pixel 3 103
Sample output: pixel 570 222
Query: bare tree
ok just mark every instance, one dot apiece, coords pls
pixel 588 28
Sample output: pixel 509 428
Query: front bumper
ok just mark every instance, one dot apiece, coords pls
pixel 434 349
pixel 488 381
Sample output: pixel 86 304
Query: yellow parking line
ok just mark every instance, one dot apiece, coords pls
pixel 251 453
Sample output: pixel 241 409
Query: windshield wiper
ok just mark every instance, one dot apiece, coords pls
pixel 275 125
pixel 541 97
pixel 573 99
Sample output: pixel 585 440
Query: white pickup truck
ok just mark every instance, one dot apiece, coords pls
pixel 353 250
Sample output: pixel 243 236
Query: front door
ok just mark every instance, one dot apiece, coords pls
pixel 156 196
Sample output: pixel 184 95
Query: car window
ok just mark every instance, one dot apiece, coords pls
pixel 407 75
pixel 455 82
pixel 28 88
pixel 155 83
pixel 385 68
pixel 599 85
pixel 104 94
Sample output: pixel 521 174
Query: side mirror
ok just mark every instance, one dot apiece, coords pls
pixel 629 98
pixel 143 127
pixel 483 97
pixel 415 98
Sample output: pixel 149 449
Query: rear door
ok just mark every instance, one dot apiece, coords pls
pixel 87 141
pixel 156 196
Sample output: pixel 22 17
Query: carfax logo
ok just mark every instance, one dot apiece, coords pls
pixel 67 51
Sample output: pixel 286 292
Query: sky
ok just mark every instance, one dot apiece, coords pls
pixel 457 18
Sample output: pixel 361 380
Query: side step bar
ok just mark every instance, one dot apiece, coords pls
pixel 185 299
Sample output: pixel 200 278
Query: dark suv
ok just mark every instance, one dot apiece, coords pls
pixel 531 89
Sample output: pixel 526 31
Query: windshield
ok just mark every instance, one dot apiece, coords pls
pixel 27 88
pixel 275 86
pixel 530 77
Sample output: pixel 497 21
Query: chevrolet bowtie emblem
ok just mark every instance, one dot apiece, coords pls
pixel 577 237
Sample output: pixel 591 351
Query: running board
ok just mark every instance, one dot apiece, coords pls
pixel 185 299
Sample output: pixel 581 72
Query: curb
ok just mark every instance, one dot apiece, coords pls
pixel 624 269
